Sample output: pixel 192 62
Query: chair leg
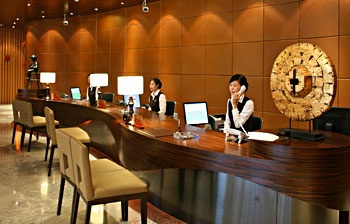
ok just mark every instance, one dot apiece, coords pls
pixel 30 139
pixel 144 209
pixel 37 134
pixel 53 147
pixel 88 213
pixel 47 147
pixel 124 205
pixel 14 132
pixel 23 135
pixel 60 196
pixel 75 206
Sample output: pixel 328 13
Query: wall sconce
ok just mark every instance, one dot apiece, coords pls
pixel 130 85
pixel 99 80
pixel 47 77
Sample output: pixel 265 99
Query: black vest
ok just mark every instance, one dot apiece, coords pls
pixel 154 103
pixel 247 125
pixel 92 95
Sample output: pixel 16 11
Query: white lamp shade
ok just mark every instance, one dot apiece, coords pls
pixel 99 79
pixel 130 85
pixel 47 77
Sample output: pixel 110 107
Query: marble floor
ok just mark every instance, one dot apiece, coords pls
pixel 28 195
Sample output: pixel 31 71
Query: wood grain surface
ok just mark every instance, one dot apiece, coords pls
pixel 315 172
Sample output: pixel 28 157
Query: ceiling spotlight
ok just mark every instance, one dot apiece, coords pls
pixel 76 0
pixel 65 21
pixel 144 6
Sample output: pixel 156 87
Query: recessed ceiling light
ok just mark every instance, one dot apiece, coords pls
pixel 28 4
pixel 43 16
pixel 17 18
pixel 76 0
pixel 122 3
pixel 96 9
pixel 71 13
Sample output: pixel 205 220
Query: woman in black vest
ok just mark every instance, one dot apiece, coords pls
pixel 91 93
pixel 239 107
pixel 157 99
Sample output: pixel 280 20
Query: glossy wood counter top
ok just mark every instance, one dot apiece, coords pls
pixel 316 172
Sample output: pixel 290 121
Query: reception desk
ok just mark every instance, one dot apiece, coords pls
pixel 203 180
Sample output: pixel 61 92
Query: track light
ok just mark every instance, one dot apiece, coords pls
pixel 144 6
pixel 65 21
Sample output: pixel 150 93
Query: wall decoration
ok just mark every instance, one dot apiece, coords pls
pixel 303 82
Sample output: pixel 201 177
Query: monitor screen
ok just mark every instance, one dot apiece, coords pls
pixel 136 98
pixel 75 92
pixel 196 113
pixel 337 119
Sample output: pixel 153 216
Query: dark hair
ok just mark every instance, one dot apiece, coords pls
pixel 241 79
pixel 157 82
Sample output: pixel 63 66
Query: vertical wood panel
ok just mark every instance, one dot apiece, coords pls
pixel 12 70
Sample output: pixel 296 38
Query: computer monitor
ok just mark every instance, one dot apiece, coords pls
pixel 196 113
pixel 75 92
pixel 337 119
pixel 136 98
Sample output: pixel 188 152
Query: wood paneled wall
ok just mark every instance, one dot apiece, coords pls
pixel 194 47
pixel 12 67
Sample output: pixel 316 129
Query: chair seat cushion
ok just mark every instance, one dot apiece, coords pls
pixel 39 121
pixel 77 133
pixel 115 183
pixel 104 165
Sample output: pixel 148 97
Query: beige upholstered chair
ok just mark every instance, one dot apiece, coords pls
pixel 66 164
pixel 104 187
pixel 23 115
pixel 76 132
pixel 16 109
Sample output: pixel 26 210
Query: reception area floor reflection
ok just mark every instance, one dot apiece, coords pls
pixel 28 195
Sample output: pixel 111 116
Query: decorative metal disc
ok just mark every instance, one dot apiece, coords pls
pixel 303 82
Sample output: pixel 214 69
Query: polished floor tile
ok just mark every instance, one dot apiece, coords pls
pixel 28 195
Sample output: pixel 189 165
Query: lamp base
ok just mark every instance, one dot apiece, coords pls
pixel 131 105
pixel 47 92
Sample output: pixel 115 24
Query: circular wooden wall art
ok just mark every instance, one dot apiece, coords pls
pixel 303 82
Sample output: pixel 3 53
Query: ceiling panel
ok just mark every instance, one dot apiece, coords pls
pixel 10 10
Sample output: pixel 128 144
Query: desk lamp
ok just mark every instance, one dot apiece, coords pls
pixel 99 80
pixel 130 85
pixel 47 77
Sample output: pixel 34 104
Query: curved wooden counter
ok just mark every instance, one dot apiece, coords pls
pixel 315 172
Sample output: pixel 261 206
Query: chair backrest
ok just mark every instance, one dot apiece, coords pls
pixel 108 97
pixel 65 154
pixel 82 169
pixel 170 107
pixel 256 123
pixel 50 125
pixel 16 109
pixel 24 112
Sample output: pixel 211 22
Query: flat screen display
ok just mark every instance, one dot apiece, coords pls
pixel 136 98
pixel 196 113
pixel 75 92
